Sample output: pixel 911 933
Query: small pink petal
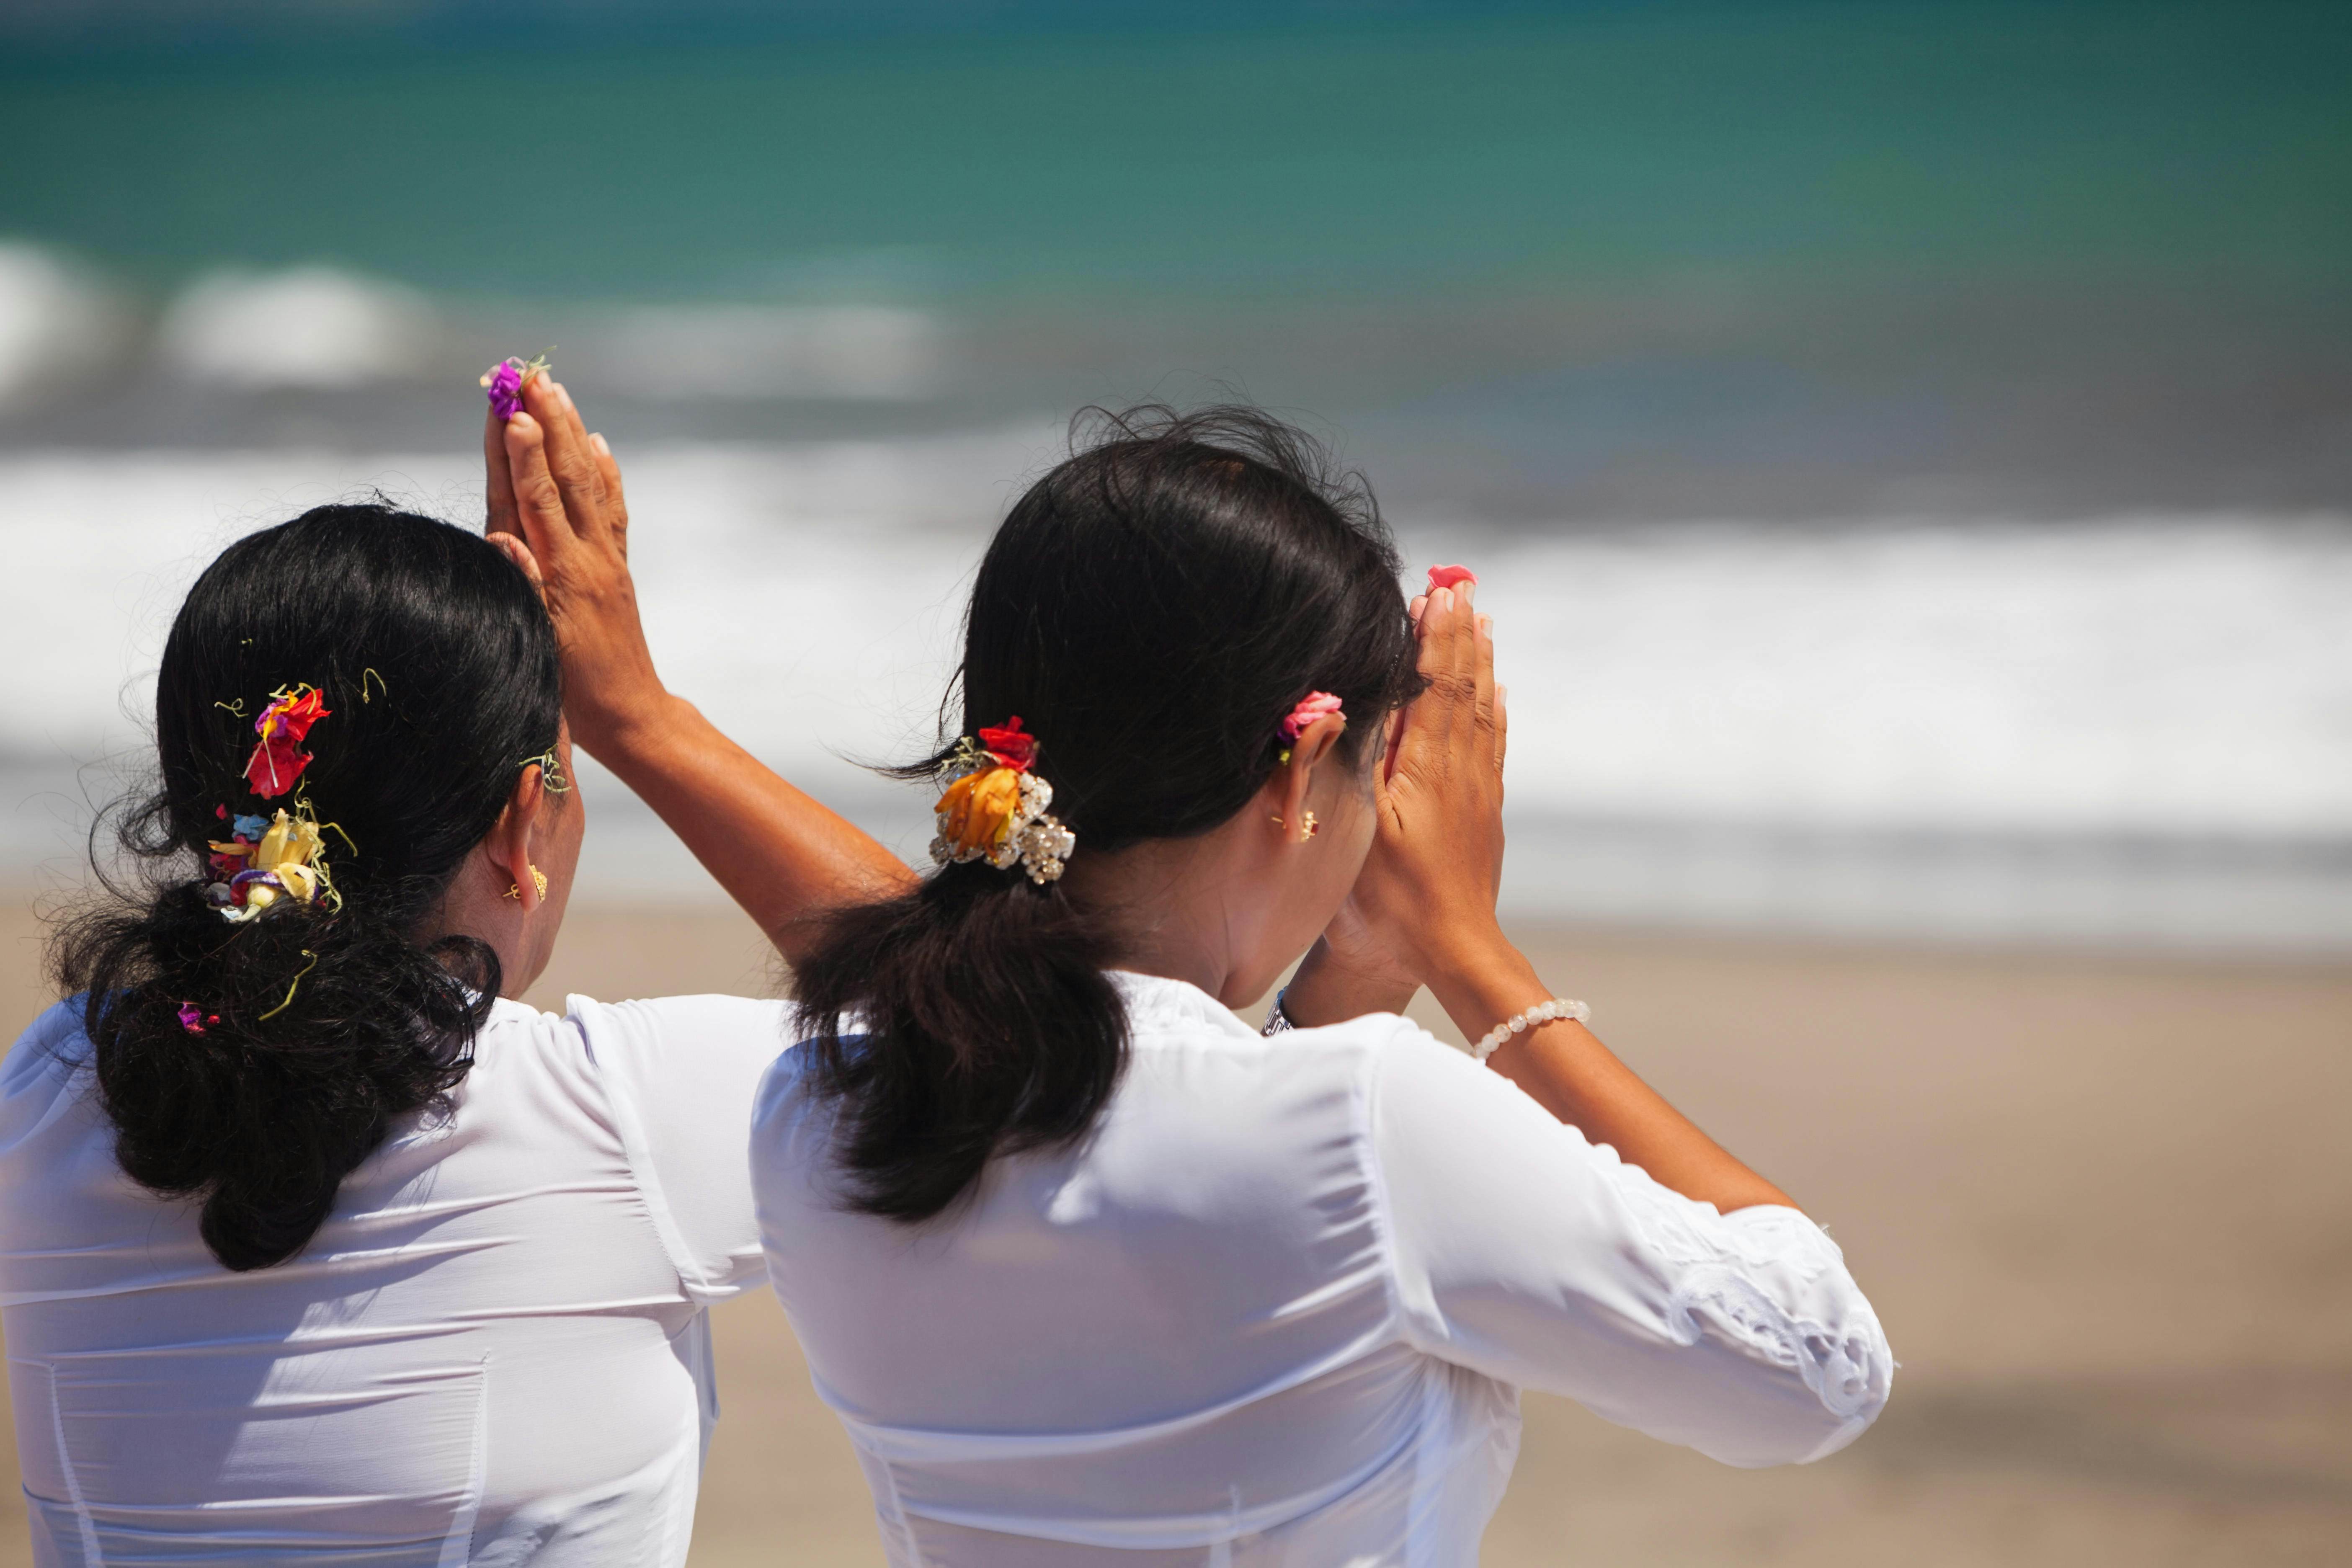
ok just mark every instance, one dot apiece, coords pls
pixel 1315 705
pixel 1450 576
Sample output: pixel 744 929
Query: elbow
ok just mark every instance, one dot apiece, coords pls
pixel 1845 1379
pixel 1857 1383
pixel 1813 1386
pixel 1851 1372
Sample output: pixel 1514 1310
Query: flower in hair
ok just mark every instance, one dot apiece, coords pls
pixel 193 1018
pixel 1008 745
pixel 991 806
pixel 504 383
pixel 1451 577
pixel 278 760
pixel 284 863
pixel 1313 706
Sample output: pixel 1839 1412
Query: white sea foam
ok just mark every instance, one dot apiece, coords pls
pixel 1720 722
pixel 306 327
pixel 2130 677
pixel 54 323
pixel 855 352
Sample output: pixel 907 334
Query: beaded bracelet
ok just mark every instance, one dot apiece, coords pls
pixel 1534 1018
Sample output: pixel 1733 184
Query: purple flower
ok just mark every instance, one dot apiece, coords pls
pixel 503 381
pixel 192 1018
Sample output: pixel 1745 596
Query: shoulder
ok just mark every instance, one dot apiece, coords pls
pixel 41 1065
pixel 608 1036
pixel 679 1059
pixel 1165 1013
pixel 49 1041
pixel 731 1026
pixel 621 1060
pixel 680 1074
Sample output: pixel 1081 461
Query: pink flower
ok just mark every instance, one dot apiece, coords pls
pixel 1315 705
pixel 1450 577
pixel 192 1018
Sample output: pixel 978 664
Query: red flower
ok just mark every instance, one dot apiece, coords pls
pixel 1009 745
pixel 279 759
pixel 1450 577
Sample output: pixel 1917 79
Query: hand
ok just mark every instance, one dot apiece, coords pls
pixel 780 854
pixel 556 488
pixel 1347 974
pixel 1430 885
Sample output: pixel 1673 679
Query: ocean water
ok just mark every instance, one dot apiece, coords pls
pixel 2128 731
pixel 1904 447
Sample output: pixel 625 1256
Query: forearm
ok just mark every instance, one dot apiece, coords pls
pixel 1568 1071
pixel 779 853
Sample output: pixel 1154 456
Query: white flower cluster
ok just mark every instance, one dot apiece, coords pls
pixel 1034 838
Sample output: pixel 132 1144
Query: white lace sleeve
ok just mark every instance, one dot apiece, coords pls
pixel 1525 1253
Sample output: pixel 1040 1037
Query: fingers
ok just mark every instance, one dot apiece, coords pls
pixel 616 505
pixel 570 460
pixel 538 501
pixel 1431 718
pixel 1449 637
pixel 1453 728
pixel 499 517
pixel 1483 663
pixel 1502 726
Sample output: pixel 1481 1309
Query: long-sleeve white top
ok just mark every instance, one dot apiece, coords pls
pixel 493 1351
pixel 1277 1308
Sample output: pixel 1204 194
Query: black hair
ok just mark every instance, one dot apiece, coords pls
pixel 318 1025
pixel 1150 609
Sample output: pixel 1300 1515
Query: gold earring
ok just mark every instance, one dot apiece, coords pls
pixel 1276 820
pixel 538 879
pixel 1313 826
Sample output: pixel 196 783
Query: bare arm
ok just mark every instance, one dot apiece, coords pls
pixel 1427 895
pixel 779 853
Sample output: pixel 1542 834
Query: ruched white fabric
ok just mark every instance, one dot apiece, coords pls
pixel 1277 1308
pixel 494 1352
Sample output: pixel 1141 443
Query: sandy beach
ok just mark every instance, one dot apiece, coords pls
pixel 2102 1204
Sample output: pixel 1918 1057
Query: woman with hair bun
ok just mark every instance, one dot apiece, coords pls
pixel 1093 1271
pixel 317 1247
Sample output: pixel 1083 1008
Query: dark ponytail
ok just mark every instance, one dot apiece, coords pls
pixel 316 1025
pixel 1150 609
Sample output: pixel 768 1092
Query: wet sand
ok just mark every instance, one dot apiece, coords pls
pixel 2103 1203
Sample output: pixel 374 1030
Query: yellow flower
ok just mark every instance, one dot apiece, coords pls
pixel 976 811
pixel 289 841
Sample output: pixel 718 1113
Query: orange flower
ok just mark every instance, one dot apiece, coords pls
pixel 976 811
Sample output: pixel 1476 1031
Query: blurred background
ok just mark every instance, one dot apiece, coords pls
pixel 1907 449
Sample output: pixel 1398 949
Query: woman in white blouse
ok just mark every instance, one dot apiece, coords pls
pixel 1094 1272
pixel 315 1246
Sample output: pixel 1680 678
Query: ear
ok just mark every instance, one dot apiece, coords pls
pixel 508 844
pixel 1315 747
